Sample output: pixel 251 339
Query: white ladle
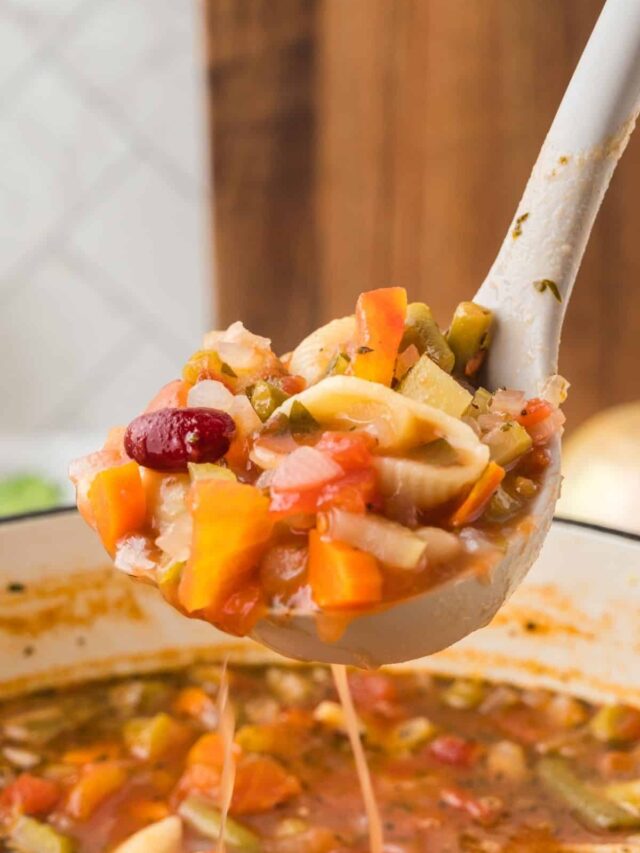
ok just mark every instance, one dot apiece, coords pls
pixel 545 243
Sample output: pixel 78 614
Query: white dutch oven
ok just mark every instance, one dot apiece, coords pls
pixel 66 616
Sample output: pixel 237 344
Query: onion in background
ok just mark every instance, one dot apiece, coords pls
pixel 601 468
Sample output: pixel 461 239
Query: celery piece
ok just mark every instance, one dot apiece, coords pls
pixel 149 738
pixel 469 336
pixel 422 331
pixel 589 805
pixel 502 506
pixel 428 383
pixel 265 399
pixel 205 819
pixel 31 836
pixel 508 442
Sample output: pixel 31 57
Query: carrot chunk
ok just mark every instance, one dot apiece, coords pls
pixel 231 528
pixel 209 750
pixel 481 493
pixel 380 316
pixel 260 784
pixel 118 503
pixel 340 576
pixel 95 785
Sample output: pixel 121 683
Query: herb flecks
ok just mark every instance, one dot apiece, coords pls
pixel 227 369
pixel 517 229
pixel 563 160
pixel 364 350
pixel 551 286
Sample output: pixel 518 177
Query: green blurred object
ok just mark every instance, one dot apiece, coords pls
pixel 20 493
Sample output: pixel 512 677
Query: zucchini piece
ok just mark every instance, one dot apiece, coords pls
pixel 594 809
pixel 508 442
pixel 428 383
pixel 469 336
pixel 28 835
pixel 204 818
pixel 265 399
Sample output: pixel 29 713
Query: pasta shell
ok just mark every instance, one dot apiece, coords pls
pixel 400 424
pixel 164 836
pixel 311 358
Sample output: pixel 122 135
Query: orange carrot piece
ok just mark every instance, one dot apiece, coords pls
pixel 380 316
pixel 95 785
pixel 101 751
pixel 340 576
pixel 118 503
pixel 83 471
pixel 193 702
pixel 147 811
pixel 209 750
pixel 231 529
pixel 481 493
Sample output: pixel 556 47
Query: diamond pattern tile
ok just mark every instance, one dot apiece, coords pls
pixel 61 332
pixel 54 147
pixel 155 241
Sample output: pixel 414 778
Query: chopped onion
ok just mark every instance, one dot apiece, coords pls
pixel 268 451
pixel 132 556
pixel 305 468
pixel 175 541
pixel 509 402
pixel 489 422
pixel 210 394
pixel 543 432
pixel 555 390
pixel 244 415
pixel 390 542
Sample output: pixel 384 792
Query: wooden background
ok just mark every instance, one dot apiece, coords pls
pixel 362 143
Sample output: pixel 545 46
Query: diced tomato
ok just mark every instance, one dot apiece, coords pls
pixel 240 612
pixel 289 383
pixel 454 750
pixel 173 395
pixel 350 450
pixel 484 810
pixel 534 462
pixel 372 691
pixel 199 779
pixel 282 570
pixel 535 410
pixel 30 795
pixel 355 492
pixel 260 784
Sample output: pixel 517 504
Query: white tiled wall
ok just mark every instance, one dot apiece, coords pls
pixel 104 249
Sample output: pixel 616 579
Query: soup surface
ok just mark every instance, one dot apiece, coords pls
pixel 456 765
pixel 365 467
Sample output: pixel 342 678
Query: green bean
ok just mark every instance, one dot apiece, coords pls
pixel 469 336
pixel 201 816
pixel 265 399
pixel 590 806
pixel 422 331
pixel 30 836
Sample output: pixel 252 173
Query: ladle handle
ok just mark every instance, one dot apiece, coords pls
pixel 531 280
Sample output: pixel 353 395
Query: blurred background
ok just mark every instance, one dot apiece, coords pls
pixel 350 144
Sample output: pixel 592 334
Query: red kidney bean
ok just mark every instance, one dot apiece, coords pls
pixel 168 439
